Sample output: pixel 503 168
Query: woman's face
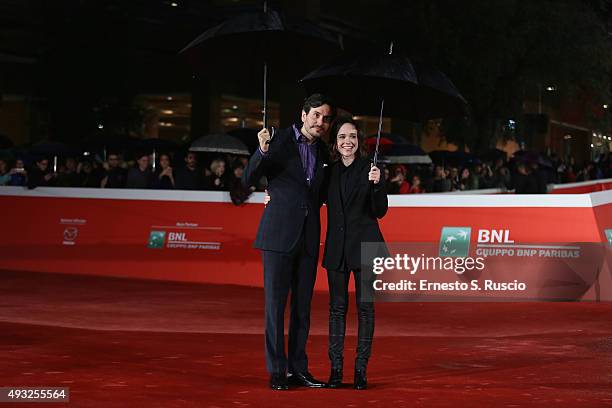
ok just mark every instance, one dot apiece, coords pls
pixel 164 161
pixel 347 142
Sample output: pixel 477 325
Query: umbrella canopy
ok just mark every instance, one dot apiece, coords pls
pixel 7 154
pixel 408 154
pixel 384 144
pixel 393 137
pixel 414 91
pixel 494 154
pixel 5 142
pixel 49 148
pixel 456 158
pixel 260 39
pixel 219 143
pixel 532 158
pixel 157 145
pixel 119 144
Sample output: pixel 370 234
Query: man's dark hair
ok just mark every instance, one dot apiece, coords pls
pixel 316 100
pixel 140 155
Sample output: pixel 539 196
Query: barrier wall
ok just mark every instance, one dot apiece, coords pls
pixel 567 188
pixel 202 237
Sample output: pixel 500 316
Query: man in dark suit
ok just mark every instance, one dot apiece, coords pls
pixel 289 234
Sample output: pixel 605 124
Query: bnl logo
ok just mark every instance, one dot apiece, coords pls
pixel 609 236
pixel 156 239
pixel 455 241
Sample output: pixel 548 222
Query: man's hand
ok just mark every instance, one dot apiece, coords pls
pixel 267 198
pixel 264 139
pixel 374 174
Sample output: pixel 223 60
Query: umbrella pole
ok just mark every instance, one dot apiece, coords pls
pixel 265 82
pixel 265 96
pixel 382 106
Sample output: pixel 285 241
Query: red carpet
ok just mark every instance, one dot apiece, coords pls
pixel 120 342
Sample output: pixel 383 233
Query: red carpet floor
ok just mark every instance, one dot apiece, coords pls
pixel 130 343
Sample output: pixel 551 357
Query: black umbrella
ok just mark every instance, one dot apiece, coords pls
pixel 219 143
pixel 157 145
pixel 455 158
pixel 116 144
pixel 5 142
pixel 372 84
pixel 49 148
pixel 258 38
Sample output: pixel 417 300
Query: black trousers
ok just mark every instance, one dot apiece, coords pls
pixel 284 272
pixel 338 282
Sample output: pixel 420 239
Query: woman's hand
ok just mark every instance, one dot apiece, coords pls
pixel 374 174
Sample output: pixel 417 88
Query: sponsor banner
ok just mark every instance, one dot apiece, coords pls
pixel 203 237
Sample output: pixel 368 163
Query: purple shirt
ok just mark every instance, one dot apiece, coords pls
pixel 308 154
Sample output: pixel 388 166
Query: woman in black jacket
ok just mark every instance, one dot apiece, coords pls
pixel 356 198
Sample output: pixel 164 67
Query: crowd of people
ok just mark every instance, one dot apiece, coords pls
pixel 222 172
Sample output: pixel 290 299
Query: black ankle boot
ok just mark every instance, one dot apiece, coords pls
pixel 335 378
pixel 361 382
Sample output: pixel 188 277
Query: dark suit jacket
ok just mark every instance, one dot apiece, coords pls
pixel 294 205
pixel 355 221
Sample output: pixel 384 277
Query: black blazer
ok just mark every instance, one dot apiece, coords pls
pixel 355 221
pixel 294 205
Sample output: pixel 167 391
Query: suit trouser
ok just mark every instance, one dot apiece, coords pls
pixel 283 272
pixel 338 282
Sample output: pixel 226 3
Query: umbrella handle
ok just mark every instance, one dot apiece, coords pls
pixel 272 132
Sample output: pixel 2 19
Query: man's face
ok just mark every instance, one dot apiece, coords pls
pixel 113 161
pixel 143 162
pixel 191 160
pixel 71 164
pixel 43 165
pixel 317 121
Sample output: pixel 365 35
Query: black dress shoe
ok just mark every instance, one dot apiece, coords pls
pixel 305 379
pixel 361 382
pixel 335 378
pixel 279 382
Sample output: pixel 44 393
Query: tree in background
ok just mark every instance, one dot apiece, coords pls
pixel 500 53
